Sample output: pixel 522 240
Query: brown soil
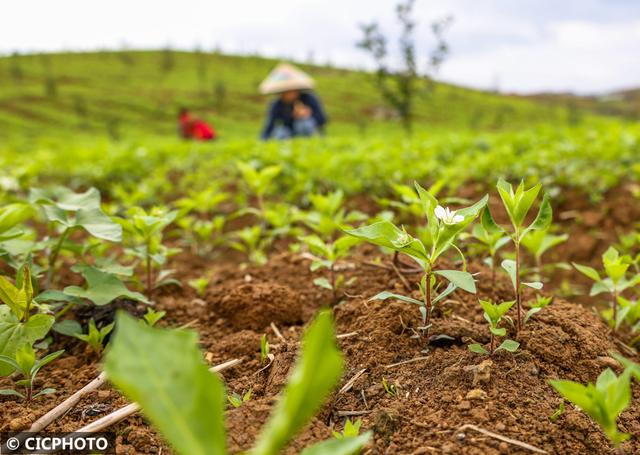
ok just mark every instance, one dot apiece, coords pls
pixel 444 388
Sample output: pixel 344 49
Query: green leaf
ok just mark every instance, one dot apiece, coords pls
pixel 509 345
pixel 315 374
pixel 345 446
pixel 386 234
pixel 10 296
pixel 390 295
pixel 323 283
pixel 524 202
pixel 487 222
pixel 463 280
pixel 102 288
pixel 11 216
pixel 510 267
pixel 14 334
pixel 164 372
pixel 478 349
pixel 498 331
pixel 533 284
pixel 543 218
pixel 10 392
pixel 99 225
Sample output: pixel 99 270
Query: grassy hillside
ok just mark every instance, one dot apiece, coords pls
pixel 126 93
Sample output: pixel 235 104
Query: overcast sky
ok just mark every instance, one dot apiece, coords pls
pixel 588 46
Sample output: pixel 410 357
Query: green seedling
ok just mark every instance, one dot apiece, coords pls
pixel 517 204
pixel 237 400
pixel 18 297
pixel 71 211
pixel 12 216
pixel 25 363
pixel 539 242
pixel 151 317
pixel 603 401
pixel 146 235
pixel 185 401
pixel 328 215
pixel 202 202
pixel 553 418
pixel 615 282
pixel 350 430
pixel 264 348
pixel 95 336
pixel 252 241
pixel 325 255
pixel 443 228
pixel 202 236
pixel 258 181
pixel 536 306
pixel 200 285
pixel 494 313
pixel 390 388
pixel 628 313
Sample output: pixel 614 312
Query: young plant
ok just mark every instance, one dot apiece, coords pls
pixel 389 387
pixel 328 214
pixel 258 181
pixel 25 363
pixel 615 282
pixel 443 228
pixel 326 255
pixel 190 414
pixel 200 285
pixel 18 326
pixel 603 401
pixel 517 204
pixel 350 430
pixel 101 287
pixel 151 317
pixel 252 241
pixel 539 242
pixel 71 211
pixel 493 313
pixel 264 348
pixel 537 305
pixel 146 231
pixel 236 400
pixel 95 336
pixel 629 313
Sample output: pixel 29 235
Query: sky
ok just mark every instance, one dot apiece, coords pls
pixel 525 46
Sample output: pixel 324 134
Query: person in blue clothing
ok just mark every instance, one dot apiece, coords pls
pixel 297 111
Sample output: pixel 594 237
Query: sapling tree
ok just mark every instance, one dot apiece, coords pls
pixel 494 313
pixel 615 282
pixel 603 401
pixel 443 228
pixel 517 204
pixel 190 414
pixel 325 256
pixel 25 363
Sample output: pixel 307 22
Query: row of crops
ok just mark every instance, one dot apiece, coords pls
pixel 86 226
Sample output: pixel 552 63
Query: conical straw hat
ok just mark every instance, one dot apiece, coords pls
pixel 285 77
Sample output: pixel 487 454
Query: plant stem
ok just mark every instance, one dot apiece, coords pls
pixel 332 275
pixel 148 267
pixel 493 342
pixel 615 309
pixel 518 296
pixel 54 257
pixel 427 296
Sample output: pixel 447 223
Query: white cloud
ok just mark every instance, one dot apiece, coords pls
pixel 529 45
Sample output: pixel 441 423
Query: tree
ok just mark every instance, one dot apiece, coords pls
pixel 400 87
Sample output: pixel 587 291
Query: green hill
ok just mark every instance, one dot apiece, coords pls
pixel 126 93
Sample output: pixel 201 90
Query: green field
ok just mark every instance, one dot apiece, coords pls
pixel 137 93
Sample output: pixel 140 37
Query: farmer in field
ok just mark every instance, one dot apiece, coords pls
pixel 191 127
pixel 296 112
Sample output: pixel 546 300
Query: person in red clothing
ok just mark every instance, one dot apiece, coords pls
pixel 194 128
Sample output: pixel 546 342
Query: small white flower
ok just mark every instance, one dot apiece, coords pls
pixel 448 216
pixel 9 184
